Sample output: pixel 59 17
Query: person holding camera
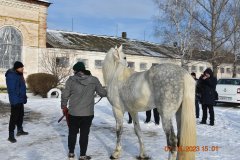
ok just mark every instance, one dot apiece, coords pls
pixel 207 84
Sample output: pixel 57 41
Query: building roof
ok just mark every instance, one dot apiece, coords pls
pixel 78 41
pixel 44 2
pixel 87 42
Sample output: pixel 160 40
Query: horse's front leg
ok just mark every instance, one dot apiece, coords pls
pixel 119 129
pixel 138 132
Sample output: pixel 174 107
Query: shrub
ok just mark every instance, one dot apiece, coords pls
pixel 41 83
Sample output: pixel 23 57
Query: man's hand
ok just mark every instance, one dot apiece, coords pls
pixel 204 77
pixel 65 110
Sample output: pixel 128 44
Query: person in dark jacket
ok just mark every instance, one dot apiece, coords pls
pixel 155 114
pixel 207 85
pixel 197 97
pixel 79 92
pixel 17 96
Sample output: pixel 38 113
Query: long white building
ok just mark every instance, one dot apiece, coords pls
pixel 24 37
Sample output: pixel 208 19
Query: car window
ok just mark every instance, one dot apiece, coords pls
pixel 229 81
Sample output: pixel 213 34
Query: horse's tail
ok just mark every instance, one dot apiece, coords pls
pixel 187 139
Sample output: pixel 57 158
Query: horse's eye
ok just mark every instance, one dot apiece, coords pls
pixel 125 58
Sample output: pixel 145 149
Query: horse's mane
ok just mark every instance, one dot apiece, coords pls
pixel 109 68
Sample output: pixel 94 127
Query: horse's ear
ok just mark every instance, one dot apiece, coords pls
pixel 116 47
pixel 116 55
pixel 120 48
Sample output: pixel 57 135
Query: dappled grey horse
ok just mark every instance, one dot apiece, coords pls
pixel 167 87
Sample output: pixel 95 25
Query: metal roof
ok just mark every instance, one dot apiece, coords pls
pixel 78 41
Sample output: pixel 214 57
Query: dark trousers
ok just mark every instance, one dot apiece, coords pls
pixel 75 123
pixel 129 118
pixel 16 117
pixel 211 112
pixel 156 116
pixel 197 108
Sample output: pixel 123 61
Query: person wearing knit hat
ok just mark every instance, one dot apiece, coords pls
pixel 79 93
pixel 207 84
pixel 16 88
pixel 79 66
pixel 17 65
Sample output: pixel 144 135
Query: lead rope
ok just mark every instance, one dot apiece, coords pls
pixel 98 101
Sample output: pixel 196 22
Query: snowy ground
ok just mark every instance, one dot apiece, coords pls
pixel 48 139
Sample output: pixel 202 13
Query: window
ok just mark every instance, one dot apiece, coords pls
pixel 154 64
pixel 98 63
pixel 228 70
pixel 85 61
pixel 229 81
pixel 131 65
pixel 221 70
pixel 194 69
pixel 62 62
pixel 10 46
pixel 201 68
pixel 238 70
pixel 143 66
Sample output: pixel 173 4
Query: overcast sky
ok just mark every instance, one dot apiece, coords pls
pixel 104 17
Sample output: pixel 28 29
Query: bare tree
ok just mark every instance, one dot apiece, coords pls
pixel 174 26
pixel 235 38
pixel 56 64
pixel 213 21
pixel 199 24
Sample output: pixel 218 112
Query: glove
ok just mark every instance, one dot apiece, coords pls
pixel 25 100
pixel 65 110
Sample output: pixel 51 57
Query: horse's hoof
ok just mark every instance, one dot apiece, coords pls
pixel 143 158
pixel 111 157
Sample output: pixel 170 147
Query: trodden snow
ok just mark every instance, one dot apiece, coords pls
pixel 47 139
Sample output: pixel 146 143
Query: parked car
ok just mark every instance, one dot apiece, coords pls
pixel 228 90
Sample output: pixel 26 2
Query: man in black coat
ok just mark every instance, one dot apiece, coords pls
pixel 193 74
pixel 207 84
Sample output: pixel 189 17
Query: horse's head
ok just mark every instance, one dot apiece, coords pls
pixel 119 56
pixel 114 57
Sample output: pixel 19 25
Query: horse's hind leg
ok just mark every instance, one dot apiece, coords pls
pixel 178 120
pixel 171 137
pixel 138 132
pixel 119 128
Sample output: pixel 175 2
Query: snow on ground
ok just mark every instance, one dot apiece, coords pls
pixel 48 139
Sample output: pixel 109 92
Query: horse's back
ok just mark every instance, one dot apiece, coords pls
pixel 167 83
pixel 161 86
pixel 168 69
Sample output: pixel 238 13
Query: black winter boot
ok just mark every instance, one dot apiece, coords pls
pixel 84 157
pixel 211 124
pixel 22 132
pixel 71 155
pixel 203 122
pixel 11 137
